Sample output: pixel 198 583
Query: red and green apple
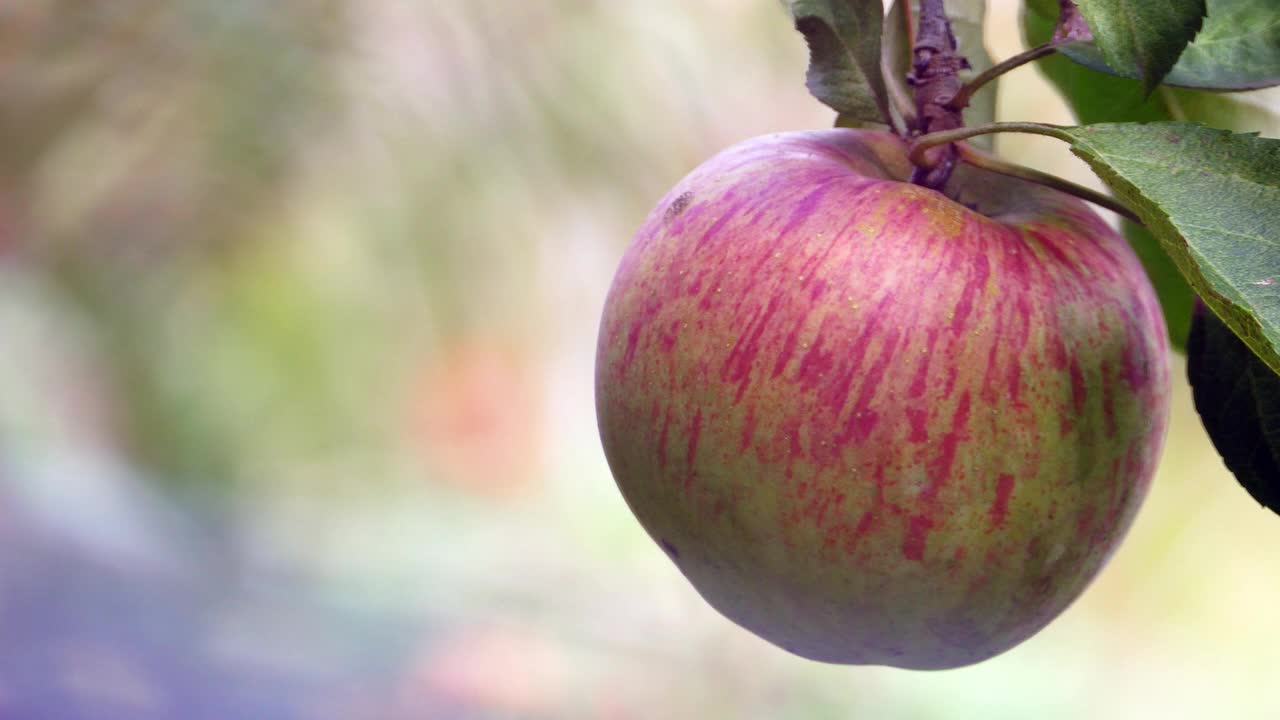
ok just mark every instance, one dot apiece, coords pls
pixel 871 422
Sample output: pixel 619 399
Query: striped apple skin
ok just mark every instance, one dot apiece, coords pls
pixel 870 424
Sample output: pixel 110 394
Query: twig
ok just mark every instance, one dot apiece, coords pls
pixel 935 68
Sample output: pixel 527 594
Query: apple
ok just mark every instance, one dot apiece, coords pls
pixel 874 423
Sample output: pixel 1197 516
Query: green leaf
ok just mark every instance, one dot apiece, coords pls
pixel 1212 198
pixel 1238 398
pixel 1237 49
pixel 1143 38
pixel 844 56
pixel 1093 97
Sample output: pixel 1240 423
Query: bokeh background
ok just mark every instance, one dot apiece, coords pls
pixel 298 306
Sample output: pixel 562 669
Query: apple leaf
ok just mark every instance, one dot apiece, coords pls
pixel 1095 98
pixel 1238 48
pixel 1212 198
pixel 1141 37
pixel 1238 398
pixel 844 56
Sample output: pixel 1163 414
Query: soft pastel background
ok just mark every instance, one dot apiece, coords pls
pixel 297 318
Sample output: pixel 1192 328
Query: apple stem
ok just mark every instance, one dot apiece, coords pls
pixel 935 68
pixel 986 161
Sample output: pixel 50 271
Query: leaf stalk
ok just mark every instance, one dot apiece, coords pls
pixel 962 98
pixel 921 145
pixel 991 163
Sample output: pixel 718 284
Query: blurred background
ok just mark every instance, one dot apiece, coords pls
pixel 298 306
